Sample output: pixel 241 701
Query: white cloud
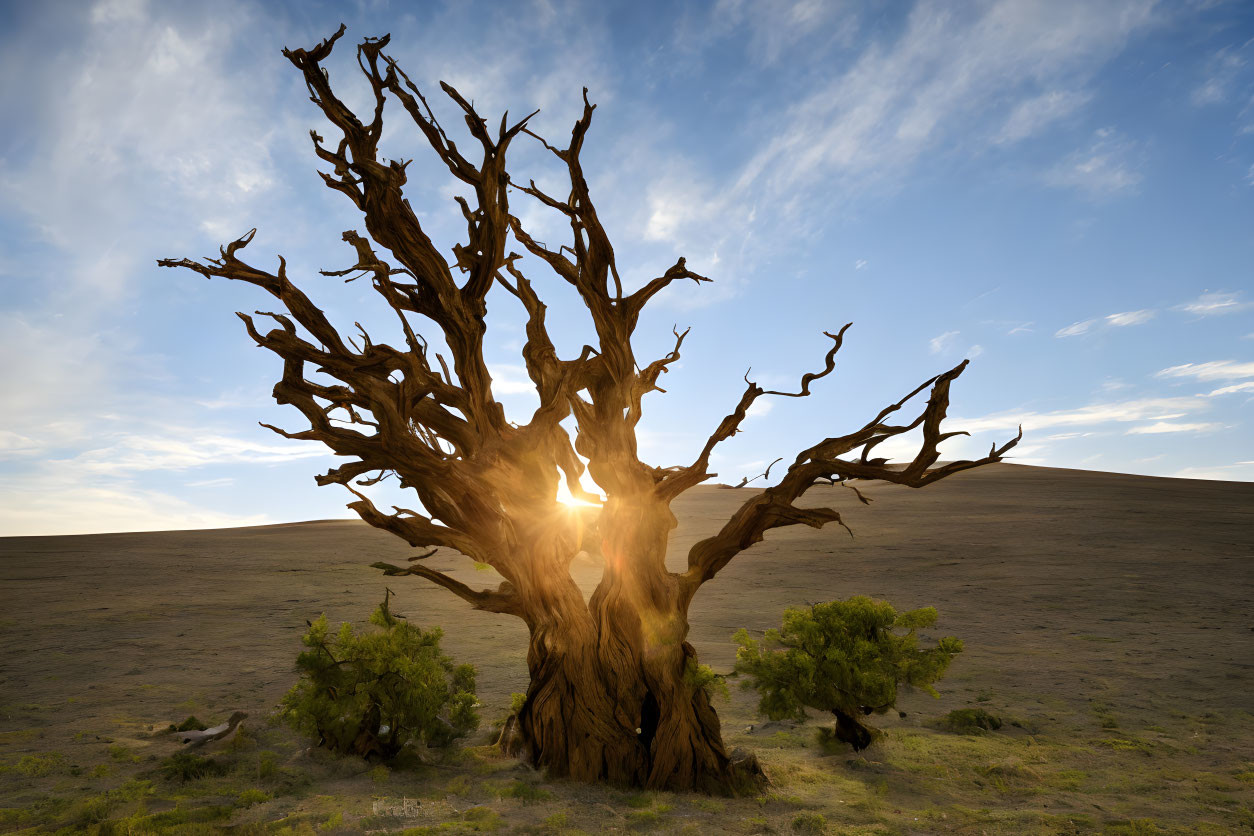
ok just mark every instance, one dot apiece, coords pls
pixel 946 69
pixel 1209 304
pixel 223 482
pixel 1075 328
pixel 1115 320
pixel 12 443
pixel 1248 386
pixel 975 351
pixel 942 342
pixel 119 146
pixel 1214 370
pixel 859 264
pixel 1030 116
pixel 510 380
pixel 1130 318
pixel 63 505
pixel 1151 409
pixel 1101 170
pixel 191 448
pixel 1240 471
pixel 775 28
pixel 1222 73
pixel 759 408
pixel 1168 427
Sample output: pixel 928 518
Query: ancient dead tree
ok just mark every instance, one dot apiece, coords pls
pixel 608 699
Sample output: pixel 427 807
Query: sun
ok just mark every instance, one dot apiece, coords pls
pixel 565 497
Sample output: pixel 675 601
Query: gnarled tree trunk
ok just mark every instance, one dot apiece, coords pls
pixel 611 695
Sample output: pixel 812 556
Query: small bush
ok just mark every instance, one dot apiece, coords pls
pixel 846 657
pixel 249 797
pixel 190 724
pixel 370 694
pixel 38 766
pixel 704 677
pixel 185 766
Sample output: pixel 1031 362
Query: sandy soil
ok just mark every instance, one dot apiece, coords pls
pixel 1078 595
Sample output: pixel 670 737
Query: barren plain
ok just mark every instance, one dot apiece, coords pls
pixel 1107 621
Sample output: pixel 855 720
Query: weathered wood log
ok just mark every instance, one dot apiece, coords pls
pixel 194 739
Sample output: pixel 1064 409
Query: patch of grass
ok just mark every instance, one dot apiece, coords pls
pixel 1123 744
pixel 557 821
pixel 524 792
pixel 185 766
pixel 814 823
pixel 252 796
pixel 968 721
pixel 644 820
pixel 380 774
pixel 39 766
pixel 181 819
pixel 121 754
pixel 460 785
pixel 1132 827
pixel 482 819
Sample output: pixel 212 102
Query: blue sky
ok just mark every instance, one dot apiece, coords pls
pixel 1061 191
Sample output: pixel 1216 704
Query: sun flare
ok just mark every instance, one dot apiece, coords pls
pixel 565 497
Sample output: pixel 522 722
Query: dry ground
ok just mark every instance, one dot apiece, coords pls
pixel 1109 616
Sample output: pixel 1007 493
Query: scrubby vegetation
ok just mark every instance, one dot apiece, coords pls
pixel 371 694
pixel 846 657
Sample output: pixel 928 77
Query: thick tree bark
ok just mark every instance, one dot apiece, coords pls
pixel 850 730
pixel 611 697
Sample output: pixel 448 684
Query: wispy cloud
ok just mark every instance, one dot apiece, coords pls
pixel 136 453
pixel 775 28
pixel 1210 304
pixel 1075 328
pixel 1152 409
pixel 62 504
pixel 1223 72
pixel 1121 320
pixel 1169 427
pixel 1115 320
pixel 1101 170
pixel 1214 370
pixel 942 342
pixel 1220 472
pixel 1031 116
pixel 1248 386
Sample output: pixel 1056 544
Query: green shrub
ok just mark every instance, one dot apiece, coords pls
pixel 371 694
pixel 185 766
pixel 704 677
pixel 846 657
pixel 37 766
pixel 252 796
pixel 809 823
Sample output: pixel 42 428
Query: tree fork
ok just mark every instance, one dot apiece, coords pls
pixel 609 699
